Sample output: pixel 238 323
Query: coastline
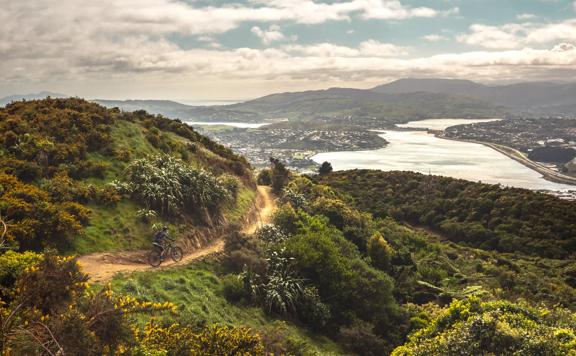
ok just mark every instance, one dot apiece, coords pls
pixel 519 157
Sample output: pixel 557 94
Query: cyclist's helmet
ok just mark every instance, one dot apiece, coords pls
pixel 164 228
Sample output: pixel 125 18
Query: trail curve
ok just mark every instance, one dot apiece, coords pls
pixel 101 267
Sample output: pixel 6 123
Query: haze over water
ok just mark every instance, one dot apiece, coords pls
pixel 422 152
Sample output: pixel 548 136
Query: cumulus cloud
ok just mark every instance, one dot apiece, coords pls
pixel 272 34
pixel 369 48
pixel 394 10
pixel 514 35
pixel 434 38
pixel 131 42
pixel 526 16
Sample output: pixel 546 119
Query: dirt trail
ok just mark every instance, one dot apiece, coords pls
pixel 101 267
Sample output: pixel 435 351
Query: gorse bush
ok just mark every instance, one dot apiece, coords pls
pixel 36 221
pixel 172 187
pixel 212 340
pixel 12 265
pixel 53 311
pixel 472 327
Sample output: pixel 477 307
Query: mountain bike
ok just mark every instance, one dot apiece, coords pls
pixel 159 253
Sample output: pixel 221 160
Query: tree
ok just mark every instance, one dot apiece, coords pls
pixel 264 177
pixel 279 175
pixel 325 168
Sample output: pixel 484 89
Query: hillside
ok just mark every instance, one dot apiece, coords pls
pixel 183 112
pixel 479 215
pixel 350 263
pixel 341 102
pixel 331 103
pixel 397 101
pixel 538 97
pixel 75 156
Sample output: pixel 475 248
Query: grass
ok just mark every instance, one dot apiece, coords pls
pixel 119 228
pixel 197 290
pixel 244 203
pixel 114 229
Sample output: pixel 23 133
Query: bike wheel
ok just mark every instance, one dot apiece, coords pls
pixel 155 258
pixel 176 253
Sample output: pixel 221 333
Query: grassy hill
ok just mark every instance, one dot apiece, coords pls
pixel 339 102
pixel 334 102
pixel 360 262
pixel 64 158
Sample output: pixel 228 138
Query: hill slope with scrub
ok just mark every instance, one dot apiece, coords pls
pixel 78 177
pixel 352 263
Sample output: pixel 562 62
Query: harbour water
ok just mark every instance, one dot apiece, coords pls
pixel 420 151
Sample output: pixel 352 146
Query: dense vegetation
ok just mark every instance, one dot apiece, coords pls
pixel 486 270
pixel 470 327
pixel 479 215
pixel 49 309
pixel 368 282
pixel 61 156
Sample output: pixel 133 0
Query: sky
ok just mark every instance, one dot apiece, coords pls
pixel 200 50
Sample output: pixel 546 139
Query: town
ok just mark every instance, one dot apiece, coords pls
pixel 293 146
pixel 549 140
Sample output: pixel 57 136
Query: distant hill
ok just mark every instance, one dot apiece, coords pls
pixel 538 97
pixel 446 86
pixel 181 111
pixel 334 102
pixel 388 107
pixel 41 95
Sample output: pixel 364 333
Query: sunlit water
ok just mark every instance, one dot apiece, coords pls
pixel 441 124
pixel 422 152
pixel 244 125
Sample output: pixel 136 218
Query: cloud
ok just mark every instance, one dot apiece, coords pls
pixel 511 36
pixel 130 44
pixel 273 34
pixel 369 48
pixel 526 16
pixel 503 37
pixel 394 10
pixel 434 38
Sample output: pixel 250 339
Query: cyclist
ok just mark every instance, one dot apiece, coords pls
pixel 161 239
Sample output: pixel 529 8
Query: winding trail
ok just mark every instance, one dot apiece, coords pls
pixel 102 267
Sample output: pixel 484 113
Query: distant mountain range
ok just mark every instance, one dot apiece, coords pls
pixel 41 95
pixel 537 97
pixel 401 100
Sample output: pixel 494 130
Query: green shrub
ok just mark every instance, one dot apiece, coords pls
pixel 264 177
pixel 170 186
pixel 231 184
pixel 361 339
pixel 279 175
pixel 233 288
pixel 472 327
